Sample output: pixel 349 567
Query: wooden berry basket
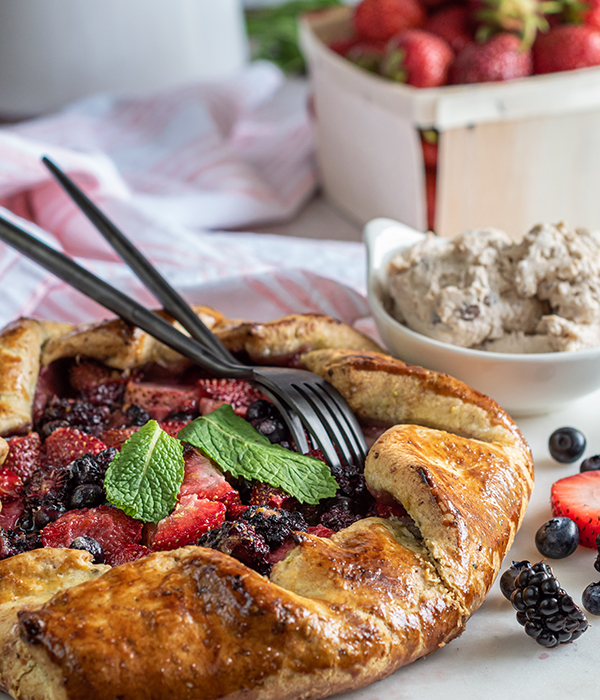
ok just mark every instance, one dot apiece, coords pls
pixel 510 154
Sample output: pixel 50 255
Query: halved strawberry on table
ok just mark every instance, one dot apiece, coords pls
pixel 578 497
pixel 160 400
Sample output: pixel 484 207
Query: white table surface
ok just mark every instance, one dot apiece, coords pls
pixel 494 659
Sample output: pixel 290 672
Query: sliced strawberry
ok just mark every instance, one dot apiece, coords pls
pixel 24 455
pixel 191 518
pixel 204 480
pixel 281 552
pixel 162 399
pixel 97 383
pixel 111 527
pixel 51 382
pixel 578 497
pixel 235 510
pixel 385 510
pixel 10 513
pixel 320 531
pixel 116 437
pixel 64 445
pixel 130 552
pixel 236 392
pixel 10 485
pixel 270 496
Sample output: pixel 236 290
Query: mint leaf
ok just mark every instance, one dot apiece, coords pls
pixel 143 480
pixel 241 450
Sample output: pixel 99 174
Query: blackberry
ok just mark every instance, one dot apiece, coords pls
pixel 241 541
pixel 49 486
pixel 338 517
pixel 85 470
pixel 566 445
pixel 273 524
pixel 545 610
pixel 507 580
pixel 557 538
pixel 86 496
pixel 77 414
pixel 136 416
pixel 89 544
pixel 13 542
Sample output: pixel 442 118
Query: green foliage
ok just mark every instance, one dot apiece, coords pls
pixel 273 32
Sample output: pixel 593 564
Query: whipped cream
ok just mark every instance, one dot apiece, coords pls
pixel 482 290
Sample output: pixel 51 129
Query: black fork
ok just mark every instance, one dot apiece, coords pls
pixel 306 401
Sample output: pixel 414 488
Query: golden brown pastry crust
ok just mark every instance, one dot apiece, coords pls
pixel 336 614
pixel 20 347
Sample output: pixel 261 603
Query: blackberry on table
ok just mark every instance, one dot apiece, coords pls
pixel 548 614
pixel 507 580
pixel 241 541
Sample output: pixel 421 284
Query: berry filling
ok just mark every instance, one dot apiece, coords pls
pixel 52 483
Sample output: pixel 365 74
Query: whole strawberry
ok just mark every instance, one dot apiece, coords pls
pixel 567 47
pixel 418 58
pixel 452 23
pixel 380 20
pixel 591 15
pixel 500 58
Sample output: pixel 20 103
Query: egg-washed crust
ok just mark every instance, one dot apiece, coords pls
pixel 336 614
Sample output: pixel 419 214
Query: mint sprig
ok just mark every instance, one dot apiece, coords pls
pixel 241 450
pixel 143 480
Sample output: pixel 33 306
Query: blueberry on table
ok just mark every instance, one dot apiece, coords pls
pixel 591 598
pixel 567 445
pixel 557 538
pixel 591 464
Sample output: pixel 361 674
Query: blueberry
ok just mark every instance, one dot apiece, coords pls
pixel 87 496
pixel 591 598
pixel 591 464
pixel 272 428
pixel 89 544
pixel 259 410
pixel 566 445
pixel 558 538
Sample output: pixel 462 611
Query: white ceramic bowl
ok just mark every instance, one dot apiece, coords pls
pixel 523 384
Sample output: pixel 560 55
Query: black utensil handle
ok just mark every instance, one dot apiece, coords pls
pixel 151 278
pixel 81 279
